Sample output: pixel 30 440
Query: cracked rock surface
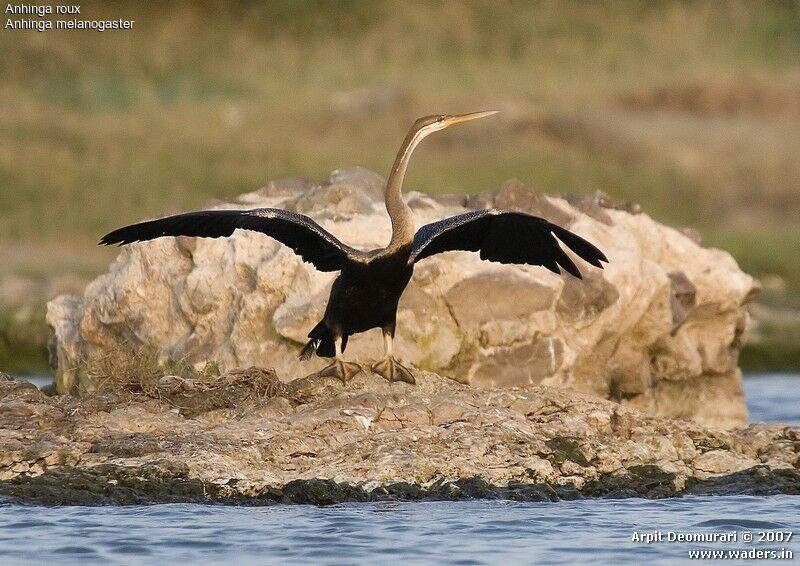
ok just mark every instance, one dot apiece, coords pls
pixel 659 329
pixel 318 441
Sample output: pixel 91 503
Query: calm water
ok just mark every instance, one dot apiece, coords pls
pixel 773 398
pixel 475 532
pixel 472 532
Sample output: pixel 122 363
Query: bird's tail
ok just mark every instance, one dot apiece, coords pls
pixel 320 343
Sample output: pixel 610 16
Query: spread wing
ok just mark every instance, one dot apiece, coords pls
pixel 505 237
pixel 307 238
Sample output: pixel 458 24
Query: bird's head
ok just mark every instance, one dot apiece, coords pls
pixel 421 129
pixel 429 124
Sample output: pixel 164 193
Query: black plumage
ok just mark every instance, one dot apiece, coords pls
pixel 505 237
pixel 299 232
pixel 366 293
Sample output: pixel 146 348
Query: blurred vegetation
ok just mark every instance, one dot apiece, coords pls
pixel 691 108
pixel 23 340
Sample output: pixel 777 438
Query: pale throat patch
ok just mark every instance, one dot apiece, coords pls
pixel 418 137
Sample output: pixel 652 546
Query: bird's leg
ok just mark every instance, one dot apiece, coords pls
pixel 340 369
pixel 389 368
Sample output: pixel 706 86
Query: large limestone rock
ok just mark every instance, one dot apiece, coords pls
pixel 247 437
pixel 660 328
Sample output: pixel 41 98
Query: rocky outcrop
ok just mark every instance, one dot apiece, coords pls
pixel 659 329
pixel 247 437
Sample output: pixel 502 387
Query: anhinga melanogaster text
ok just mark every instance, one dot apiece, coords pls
pixel 366 292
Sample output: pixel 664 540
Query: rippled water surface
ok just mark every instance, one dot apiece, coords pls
pixel 473 532
pixel 469 532
pixel 773 398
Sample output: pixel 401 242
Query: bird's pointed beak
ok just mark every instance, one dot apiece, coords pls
pixel 461 118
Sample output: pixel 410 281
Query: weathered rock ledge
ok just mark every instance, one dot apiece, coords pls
pixel 659 329
pixel 248 438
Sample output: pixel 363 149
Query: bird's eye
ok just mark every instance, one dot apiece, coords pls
pixel 440 118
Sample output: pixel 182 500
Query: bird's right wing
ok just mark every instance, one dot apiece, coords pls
pixel 307 238
pixel 505 237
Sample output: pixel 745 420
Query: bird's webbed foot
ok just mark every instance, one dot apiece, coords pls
pixel 340 369
pixel 392 370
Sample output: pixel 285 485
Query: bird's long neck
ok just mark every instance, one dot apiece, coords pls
pixel 399 212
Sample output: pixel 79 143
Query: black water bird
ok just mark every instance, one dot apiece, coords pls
pixel 366 292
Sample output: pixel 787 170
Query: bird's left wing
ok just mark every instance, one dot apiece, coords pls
pixel 307 238
pixel 505 237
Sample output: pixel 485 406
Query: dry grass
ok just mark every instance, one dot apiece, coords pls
pixel 139 371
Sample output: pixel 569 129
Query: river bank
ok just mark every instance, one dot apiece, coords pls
pixel 256 441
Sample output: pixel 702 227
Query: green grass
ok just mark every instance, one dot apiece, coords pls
pixel 23 340
pixel 181 111
pixel 768 250
pixel 770 356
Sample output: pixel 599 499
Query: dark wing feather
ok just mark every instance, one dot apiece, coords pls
pixel 505 237
pixel 307 238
